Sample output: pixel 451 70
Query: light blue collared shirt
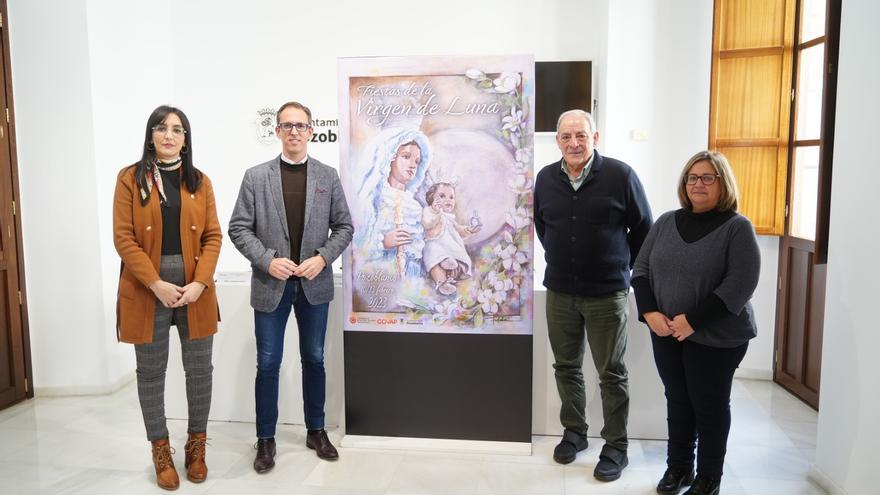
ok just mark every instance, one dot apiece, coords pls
pixel 579 180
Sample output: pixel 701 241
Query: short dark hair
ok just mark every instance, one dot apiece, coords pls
pixel 294 104
pixel 429 194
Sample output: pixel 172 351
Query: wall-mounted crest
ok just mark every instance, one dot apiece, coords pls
pixel 265 125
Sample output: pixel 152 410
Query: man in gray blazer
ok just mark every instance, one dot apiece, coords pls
pixel 285 209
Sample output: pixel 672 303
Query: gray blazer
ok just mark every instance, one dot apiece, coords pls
pixel 258 228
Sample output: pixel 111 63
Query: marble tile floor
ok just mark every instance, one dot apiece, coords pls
pixel 96 445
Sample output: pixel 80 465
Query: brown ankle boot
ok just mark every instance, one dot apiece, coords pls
pixel 196 469
pixel 166 475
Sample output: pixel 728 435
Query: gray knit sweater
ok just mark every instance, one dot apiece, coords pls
pixel 725 262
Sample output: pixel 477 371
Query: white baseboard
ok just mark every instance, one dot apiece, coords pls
pixel 71 390
pixel 819 477
pixel 436 445
pixel 753 374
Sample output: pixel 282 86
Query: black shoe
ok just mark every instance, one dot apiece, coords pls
pixel 611 463
pixel 705 486
pixel 265 460
pixel 318 441
pixel 571 444
pixel 674 479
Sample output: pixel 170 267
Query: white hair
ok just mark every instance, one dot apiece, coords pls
pixel 580 113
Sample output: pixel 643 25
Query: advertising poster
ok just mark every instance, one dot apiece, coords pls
pixel 436 162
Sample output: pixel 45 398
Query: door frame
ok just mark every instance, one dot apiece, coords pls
pixel 16 195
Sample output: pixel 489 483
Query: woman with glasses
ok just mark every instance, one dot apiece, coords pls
pixel 693 279
pixel 167 234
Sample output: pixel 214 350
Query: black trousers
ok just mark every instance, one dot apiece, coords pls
pixel 697 379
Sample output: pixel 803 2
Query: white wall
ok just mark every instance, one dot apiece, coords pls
pixel 125 42
pixel 56 161
pixel 105 65
pixel 658 81
pixel 631 94
pixel 846 449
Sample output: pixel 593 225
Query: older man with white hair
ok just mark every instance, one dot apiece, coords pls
pixel 591 216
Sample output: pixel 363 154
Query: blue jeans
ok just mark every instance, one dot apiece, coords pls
pixel 269 329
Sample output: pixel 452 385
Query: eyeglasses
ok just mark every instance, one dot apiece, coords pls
pixel 706 179
pixel 177 130
pixel 290 126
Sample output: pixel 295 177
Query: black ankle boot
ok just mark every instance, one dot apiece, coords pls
pixel 705 486
pixel 674 479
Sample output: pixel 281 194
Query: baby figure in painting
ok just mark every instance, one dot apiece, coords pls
pixel 444 255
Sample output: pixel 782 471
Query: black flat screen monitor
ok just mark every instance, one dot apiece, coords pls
pixel 561 86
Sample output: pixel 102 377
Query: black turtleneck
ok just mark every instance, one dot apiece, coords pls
pixel 170 212
pixel 694 226
pixel 691 227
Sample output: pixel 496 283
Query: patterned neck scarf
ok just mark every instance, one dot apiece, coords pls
pixel 154 176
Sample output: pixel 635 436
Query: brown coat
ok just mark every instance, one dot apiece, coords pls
pixel 137 234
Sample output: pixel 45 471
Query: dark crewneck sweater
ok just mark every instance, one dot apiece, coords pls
pixel 293 188
pixel 590 235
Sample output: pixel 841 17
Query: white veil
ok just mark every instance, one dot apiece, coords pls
pixel 374 166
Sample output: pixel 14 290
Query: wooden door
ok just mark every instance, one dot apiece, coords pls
pixel 803 250
pixel 14 350
pixel 799 319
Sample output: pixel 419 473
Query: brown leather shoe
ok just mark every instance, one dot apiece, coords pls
pixel 166 475
pixel 265 459
pixel 196 469
pixel 321 444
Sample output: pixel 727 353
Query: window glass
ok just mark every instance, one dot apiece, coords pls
pixel 804 192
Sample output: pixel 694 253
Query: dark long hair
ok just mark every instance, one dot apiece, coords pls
pixel 192 177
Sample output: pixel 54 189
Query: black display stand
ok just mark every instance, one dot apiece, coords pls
pixel 445 386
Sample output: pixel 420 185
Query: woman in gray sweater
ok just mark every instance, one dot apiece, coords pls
pixel 693 280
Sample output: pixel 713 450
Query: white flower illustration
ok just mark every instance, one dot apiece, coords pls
pixel 445 310
pixel 501 285
pixel 490 300
pixel 520 183
pixel 519 219
pixel 516 262
pixel 513 122
pixel 511 259
pixel 506 83
pixel 504 251
pixel 475 74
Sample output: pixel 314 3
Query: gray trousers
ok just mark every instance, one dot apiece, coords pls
pixel 152 361
pixel 572 323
